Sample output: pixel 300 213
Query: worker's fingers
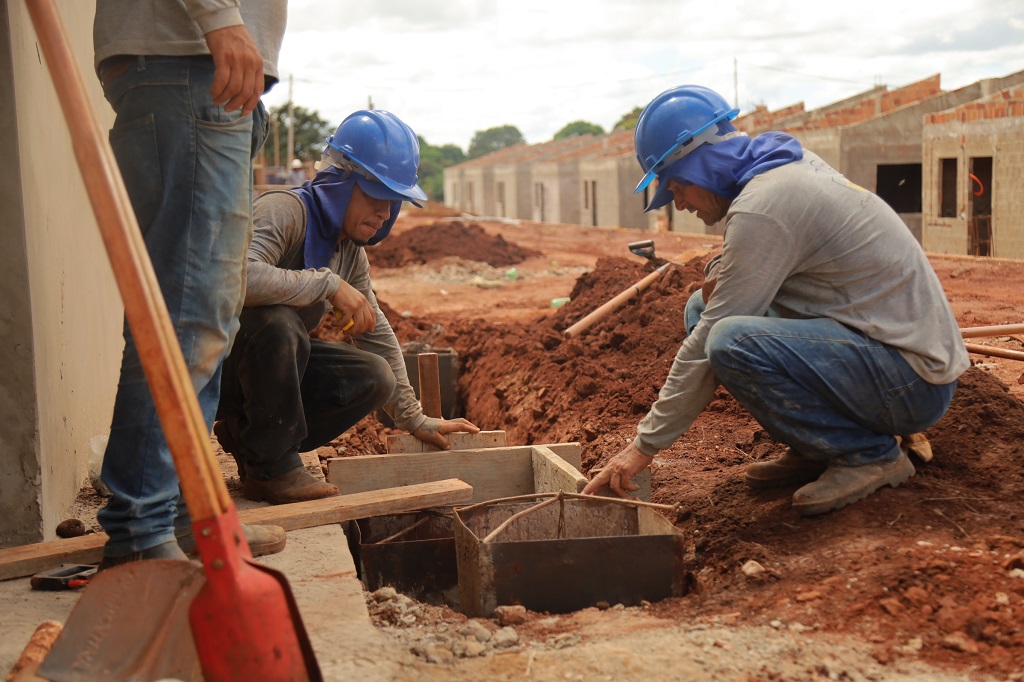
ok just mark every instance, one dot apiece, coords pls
pixel 600 479
pixel 238 69
pixel 459 424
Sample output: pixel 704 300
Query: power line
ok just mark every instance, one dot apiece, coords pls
pixel 805 75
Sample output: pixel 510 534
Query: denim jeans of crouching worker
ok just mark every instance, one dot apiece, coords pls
pixel 186 164
pixel 829 392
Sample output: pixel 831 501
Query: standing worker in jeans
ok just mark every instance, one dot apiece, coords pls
pixel 284 393
pixel 861 344
pixel 185 80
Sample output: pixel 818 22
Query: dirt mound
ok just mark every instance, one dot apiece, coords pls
pixel 441 239
pixel 924 570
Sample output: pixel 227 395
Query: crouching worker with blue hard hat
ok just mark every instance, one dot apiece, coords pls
pixel 283 393
pixel 861 344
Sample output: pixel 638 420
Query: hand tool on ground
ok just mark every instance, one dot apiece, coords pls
pixel 244 620
pixel 610 306
pixel 65 577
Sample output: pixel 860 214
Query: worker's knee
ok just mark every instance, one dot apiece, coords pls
pixel 726 336
pixel 380 380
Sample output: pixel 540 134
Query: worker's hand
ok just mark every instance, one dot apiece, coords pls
pixel 433 430
pixel 350 305
pixel 238 74
pixel 619 472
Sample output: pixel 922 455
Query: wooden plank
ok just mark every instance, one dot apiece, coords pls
pixel 493 472
pixel 400 443
pixel 551 473
pixel 17 562
pixel 570 452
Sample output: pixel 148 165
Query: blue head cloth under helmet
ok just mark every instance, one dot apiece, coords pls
pixel 688 118
pixel 372 149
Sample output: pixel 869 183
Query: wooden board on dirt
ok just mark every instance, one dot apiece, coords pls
pixel 400 443
pixel 493 472
pixel 17 562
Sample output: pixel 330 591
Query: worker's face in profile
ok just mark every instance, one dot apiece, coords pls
pixel 364 216
pixel 708 206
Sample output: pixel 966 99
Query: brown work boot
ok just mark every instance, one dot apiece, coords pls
pixel 790 469
pixel 229 445
pixel 297 485
pixel 262 539
pixel 839 485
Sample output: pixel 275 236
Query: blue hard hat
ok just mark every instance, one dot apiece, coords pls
pixel 673 125
pixel 382 149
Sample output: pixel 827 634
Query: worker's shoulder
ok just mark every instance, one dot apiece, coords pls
pixel 279 201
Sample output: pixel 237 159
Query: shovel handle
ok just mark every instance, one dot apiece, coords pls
pixel 994 330
pixel 177 406
pixel 612 305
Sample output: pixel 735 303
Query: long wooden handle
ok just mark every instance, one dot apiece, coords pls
pixel 177 406
pixel 994 330
pixel 612 305
pixel 994 352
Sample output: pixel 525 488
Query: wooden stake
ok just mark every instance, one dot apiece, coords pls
pixel 430 384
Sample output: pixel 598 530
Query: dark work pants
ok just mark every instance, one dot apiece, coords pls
pixel 283 393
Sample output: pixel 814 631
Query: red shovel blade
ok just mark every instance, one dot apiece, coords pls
pixel 245 622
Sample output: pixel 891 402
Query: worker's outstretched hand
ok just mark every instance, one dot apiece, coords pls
pixel 351 306
pixel 619 472
pixel 238 69
pixel 433 430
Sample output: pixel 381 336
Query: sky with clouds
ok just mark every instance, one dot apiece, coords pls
pixel 450 68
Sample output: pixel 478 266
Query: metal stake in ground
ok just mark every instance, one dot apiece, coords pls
pixel 430 384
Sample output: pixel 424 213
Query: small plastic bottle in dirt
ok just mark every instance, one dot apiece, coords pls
pixel 511 273
pixel 560 301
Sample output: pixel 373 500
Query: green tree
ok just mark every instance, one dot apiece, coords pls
pixel 579 128
pixel 433 161
pixel 493 139
pixel 628 121
pixel 310 133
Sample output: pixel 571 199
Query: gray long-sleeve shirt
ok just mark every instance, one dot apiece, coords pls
pixel 177 28
pixel 807 242
pixel 276 275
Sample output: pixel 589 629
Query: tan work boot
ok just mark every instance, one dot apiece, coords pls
pixel 790 469
pixel 262 539
pixel 297 485
pixel 839 485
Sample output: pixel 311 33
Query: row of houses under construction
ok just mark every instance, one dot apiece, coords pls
pixel 951 163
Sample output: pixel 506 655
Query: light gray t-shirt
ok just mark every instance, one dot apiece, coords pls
pixel 809 243
pixel 276 275
pixel 175 28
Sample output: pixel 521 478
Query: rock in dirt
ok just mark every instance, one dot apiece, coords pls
pixel 958 641
pixel 505 638
pixel 510 615
pixel 71 528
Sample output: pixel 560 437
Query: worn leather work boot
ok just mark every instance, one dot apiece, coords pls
pixel 790 469
pixel 297 485
pixel 839 485
pixel 262 540
pixel 165 550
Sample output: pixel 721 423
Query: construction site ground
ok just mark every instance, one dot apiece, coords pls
pixel 921 582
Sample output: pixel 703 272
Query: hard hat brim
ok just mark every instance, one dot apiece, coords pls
pixel 662 197
pixel 379 190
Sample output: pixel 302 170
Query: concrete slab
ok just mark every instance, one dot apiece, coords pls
pixel 322 576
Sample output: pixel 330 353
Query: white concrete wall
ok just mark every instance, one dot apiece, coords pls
pixel 75 308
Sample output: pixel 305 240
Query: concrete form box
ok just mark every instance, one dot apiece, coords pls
pixel 565 553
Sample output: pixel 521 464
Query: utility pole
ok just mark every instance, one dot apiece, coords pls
pixel 735 83
pixel 369 102
pixel 277 141
pixel 291 123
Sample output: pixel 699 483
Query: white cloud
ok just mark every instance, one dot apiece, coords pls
pixel 452 68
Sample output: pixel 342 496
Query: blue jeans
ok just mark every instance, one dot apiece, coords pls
pixel 829 392
pixel 187 166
